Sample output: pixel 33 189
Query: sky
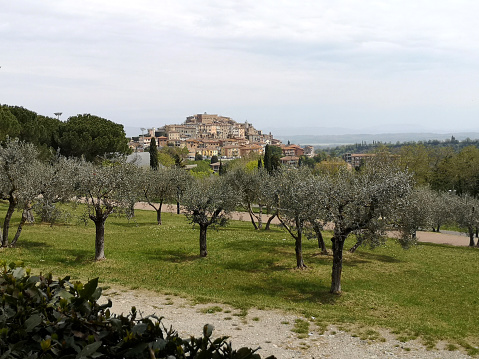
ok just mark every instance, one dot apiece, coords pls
pixel 377 66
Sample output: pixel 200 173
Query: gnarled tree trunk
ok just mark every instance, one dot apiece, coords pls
pixel 270 219
pixel 338 244
pixel 298 248
pixel 319 235
pixel 158 213
pixel 26 216
pixel 251 215
pixel 260 217
pixel 100 239
pixel 12 203
pixel 203 251
pixel 471 236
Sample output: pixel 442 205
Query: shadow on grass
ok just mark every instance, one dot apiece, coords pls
pixel 258 266
pixel 31 244
pixel 292 290
pixel 72 257
pixel 133 224
pixel 368 257
pixel 171 255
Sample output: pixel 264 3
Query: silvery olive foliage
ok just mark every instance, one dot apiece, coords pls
pixel 466 214
pixel 105 189
pixel 360 202
pixel 58 185
pixel 20 175
pixel 208 202
pixel 425 208
pixel 442 211
pixel 158 186
pixel 252 188
pixel 182 179
pixel 295 191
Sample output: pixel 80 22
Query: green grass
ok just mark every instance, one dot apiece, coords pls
pixel 429 291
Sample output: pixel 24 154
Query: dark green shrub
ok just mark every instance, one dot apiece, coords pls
pixel 45 318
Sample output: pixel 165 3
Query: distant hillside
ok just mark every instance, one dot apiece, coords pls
pixel 338 140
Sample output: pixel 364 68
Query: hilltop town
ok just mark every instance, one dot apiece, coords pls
pixel 211 135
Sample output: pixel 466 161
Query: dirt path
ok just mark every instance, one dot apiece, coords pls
pixel 269 329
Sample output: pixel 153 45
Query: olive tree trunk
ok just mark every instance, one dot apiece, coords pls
pixel 471 236
pixel 270 219
pixel 203 251
pixel 158 213
pixel 260 217
pixel 298 248
pixel 251 215
pixel 26 215
pixel 12 203
pixel 338 244
pixel 100 239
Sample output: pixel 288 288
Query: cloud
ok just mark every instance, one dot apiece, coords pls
pixel 162 61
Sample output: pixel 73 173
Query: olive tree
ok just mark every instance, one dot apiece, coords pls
pixel 251 189
pixel 182 180
pixel 20 174
pixel 442 211
pixel 414 212
pixel 295 193
pixel 359 202
pixel 208 202
pixel 106 189
pixel 158 186
pixel 466 214
pixel 316 216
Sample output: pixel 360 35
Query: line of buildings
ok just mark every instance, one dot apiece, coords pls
pixel 212 135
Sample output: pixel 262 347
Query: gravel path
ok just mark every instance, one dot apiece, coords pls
pixel 268 329
pixel 272 330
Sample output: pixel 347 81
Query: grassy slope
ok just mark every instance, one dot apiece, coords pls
pixel 429 290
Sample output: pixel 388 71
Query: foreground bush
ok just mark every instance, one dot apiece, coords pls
pixel 45 318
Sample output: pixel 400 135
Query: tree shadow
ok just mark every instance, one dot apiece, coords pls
pixel 368 257
pixel 292 290
pixel 259 266
pixel 172 255
pixel 132 224
pixel 31 244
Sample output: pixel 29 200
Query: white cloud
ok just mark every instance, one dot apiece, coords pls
pixel 170 58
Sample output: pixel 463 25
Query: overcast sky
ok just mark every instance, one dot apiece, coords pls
pixel 275 63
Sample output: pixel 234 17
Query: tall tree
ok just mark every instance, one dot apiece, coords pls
pixel 208 202
pixel 9 126
pixel 92 137
pixel 153 154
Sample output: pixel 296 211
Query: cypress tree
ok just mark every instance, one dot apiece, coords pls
pixel 153 154
pixel 267 158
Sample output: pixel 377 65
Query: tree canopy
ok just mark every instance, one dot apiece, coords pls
pixel 92 137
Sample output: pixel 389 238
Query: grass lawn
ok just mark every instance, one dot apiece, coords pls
pixel 429 291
